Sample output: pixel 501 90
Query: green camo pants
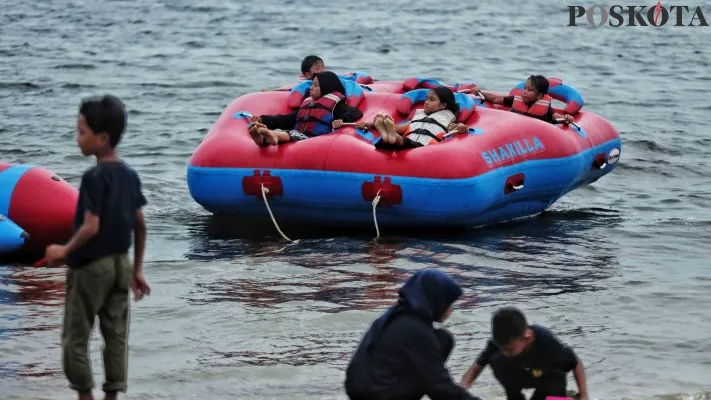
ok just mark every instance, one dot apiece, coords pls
pixel 98 288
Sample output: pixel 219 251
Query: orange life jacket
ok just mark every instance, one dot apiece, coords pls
pixel 539 109
pixel 315 117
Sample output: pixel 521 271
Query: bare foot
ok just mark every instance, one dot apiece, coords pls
pixel 393 135
pixel 269 135
pixel 254 133
pixel 380 126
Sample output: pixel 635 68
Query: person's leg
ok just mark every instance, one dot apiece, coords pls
pixel 380 126
pixel 114 322
pixel 258 138
pixel 85 292
pixel 393 136
pixel 554 386
pixel 408 143
pixel 274 137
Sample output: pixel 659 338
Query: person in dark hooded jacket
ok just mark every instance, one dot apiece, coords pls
pixel 402 356
pixel 275 129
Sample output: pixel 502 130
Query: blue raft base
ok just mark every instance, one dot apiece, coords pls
pixel 335 198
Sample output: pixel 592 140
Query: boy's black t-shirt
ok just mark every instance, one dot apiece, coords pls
pixel 508 102
pixel 111 191
pixel 547 354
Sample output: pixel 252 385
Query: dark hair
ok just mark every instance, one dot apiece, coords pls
pixel 446 96
pixel 105 114
pixel 309 62
pixel 540 83
pixel 507 325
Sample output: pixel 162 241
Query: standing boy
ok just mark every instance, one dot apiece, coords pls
pixel 108 211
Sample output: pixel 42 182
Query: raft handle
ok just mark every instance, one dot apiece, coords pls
pixel 514 183
pixel 476 93
pixel 600 161
pixel 354 124
pixel 562 121
pixel 576 128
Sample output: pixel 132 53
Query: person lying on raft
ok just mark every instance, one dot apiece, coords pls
pixel 310 66
pixel 428 125
pixel 319 114
pixel 531 102
pixel 402 355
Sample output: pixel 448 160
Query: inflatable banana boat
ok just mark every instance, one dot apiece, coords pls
pixel 507 166
pixel 36 209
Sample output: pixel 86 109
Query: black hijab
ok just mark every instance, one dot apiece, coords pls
pixel 329 83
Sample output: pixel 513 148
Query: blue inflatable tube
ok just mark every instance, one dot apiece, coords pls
pixel 12 237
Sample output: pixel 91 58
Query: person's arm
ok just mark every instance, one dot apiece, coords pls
pixel 280 121
pixel 348 113
pixel 423 351
pixel 139 285
pixel 579 373
pixel 91 193
pixel 470 376
pixel 566 360
pixel 139 242
pixel 481 362
pixel 554 116
pixel 402 128
pixel 344 113
pixel 457 126
pixel 88 230
pixel 492 98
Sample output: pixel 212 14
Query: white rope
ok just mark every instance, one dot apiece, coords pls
pixel 266 203
pixel 376 200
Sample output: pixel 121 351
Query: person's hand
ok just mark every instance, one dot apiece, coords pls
pixel 361 125
pixel 140 286
pixel 55 253
pixel 337 123
pixel 462 129
pixel 568 118
pixel 255 118
pixel 473 89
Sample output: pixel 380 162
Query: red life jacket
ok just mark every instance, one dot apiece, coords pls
pixel 539 109
pixel 315 117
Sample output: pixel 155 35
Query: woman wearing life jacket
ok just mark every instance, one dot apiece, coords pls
pixel 402 356
pixel 428 125
pixel 318 114
pixel 532 102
